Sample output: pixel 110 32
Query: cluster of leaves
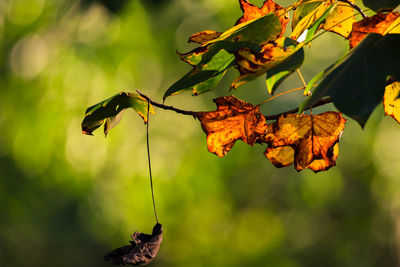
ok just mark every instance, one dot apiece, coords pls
pixel 257 46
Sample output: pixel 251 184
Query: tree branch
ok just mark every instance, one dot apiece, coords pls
pixel 355 7
pixel 177 110
pixel 321 102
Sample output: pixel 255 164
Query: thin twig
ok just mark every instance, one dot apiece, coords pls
pixel 177 110
pixel 321 102
pixel 355 7
pixel 148 157
pixel 301 77
pixel 283 93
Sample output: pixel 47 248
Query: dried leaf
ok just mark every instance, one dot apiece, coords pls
pixel 282 56
pixel 311 137
pixel 391 101
pixel 143 249
pixel 251 12
pixel 204 37
pixel 234 119
pixel 281 156
pixel 378 23
pixel 111 110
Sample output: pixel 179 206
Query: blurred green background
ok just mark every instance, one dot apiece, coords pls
pixel 66 199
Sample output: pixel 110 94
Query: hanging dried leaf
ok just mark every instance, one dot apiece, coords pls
pixel 391 101
pixel 142 250
pixel 234 119
pixel 251 12
pixel 378 23
pixel 311 137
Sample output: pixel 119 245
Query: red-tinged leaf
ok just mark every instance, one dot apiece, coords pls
pixel 378 23
pixel 251 12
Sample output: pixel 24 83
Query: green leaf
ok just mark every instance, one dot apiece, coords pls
pixel 216 66
pixel 315 26
pixel 259 31
pixel 312 82
pixel 381 5
pixel 111 110
pixel 356 83
pixel 209 84
pixel 212 59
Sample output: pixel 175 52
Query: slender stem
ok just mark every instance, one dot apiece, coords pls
pixel 283 93
pixel 321 102
pixel 355 7
pixel 301 77
pixel 148 157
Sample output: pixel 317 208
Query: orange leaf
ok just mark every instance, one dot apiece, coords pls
pixel 376 24
pixel 312 138
pixel 281 156
pixel 234 119
pixel 391 101
pixel 251 12
pixel 340 20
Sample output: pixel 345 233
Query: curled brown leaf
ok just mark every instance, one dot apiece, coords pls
pixel 142 250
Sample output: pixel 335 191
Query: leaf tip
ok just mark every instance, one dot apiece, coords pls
pixel 87 132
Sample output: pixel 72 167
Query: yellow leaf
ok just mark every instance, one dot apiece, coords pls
pixel 391 101
pixel 340 20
